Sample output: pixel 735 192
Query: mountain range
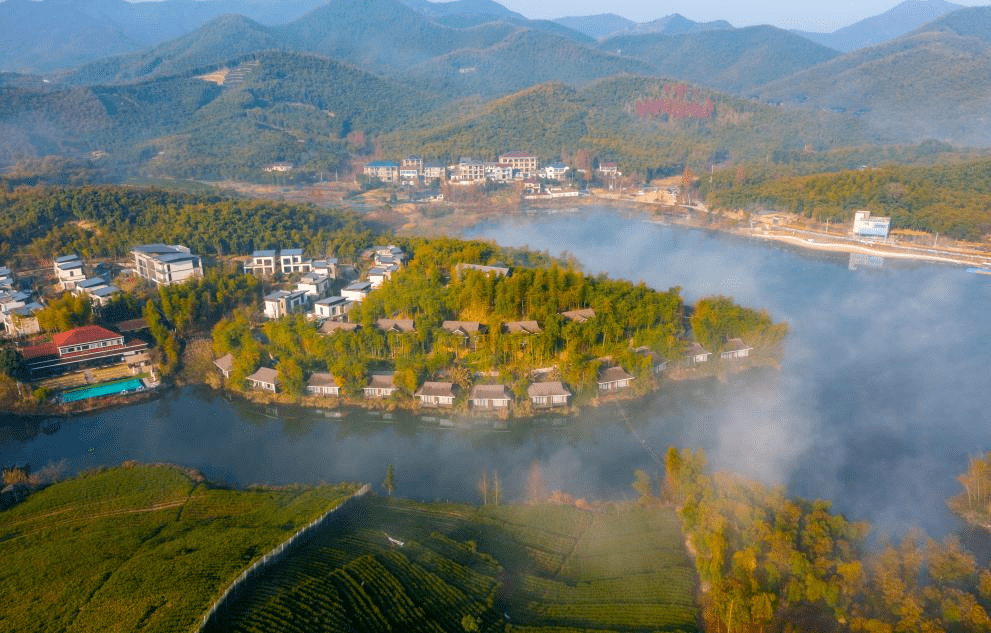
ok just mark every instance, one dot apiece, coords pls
pixel 351 79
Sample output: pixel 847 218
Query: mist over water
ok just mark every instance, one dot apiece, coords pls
pixel 884 387
pixel 882 395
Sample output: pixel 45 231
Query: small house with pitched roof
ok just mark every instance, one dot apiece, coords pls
pixel 380 384
pixel 436 394
pixel 735 348
pixel 579 316
pixel 548 394
pixel 696 354
pixel 614 379
pixel 225 364
pixel 399 326
pixel 521 327
pixel 489 397
pixel 320 383
pixel 265 378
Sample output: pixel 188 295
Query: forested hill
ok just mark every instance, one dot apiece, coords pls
pixel 272 107
pixel 108 221
pixel 931 83
pixel 736 60
pixel 950 199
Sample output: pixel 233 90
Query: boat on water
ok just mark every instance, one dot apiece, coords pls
pixel 978 271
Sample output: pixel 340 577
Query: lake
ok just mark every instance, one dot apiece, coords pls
pixel 882 395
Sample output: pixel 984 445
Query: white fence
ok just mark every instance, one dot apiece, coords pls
pixel 276 554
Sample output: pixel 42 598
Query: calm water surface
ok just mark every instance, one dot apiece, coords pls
pixel 882 396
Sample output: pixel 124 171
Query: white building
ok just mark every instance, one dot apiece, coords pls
pixel 166 265
pixel 326 267
pixel 332 307
pixel 315 285
pixel 282 302
pixel 357 291
pixel 69 270
pixel 555 171
pixel 285 261
pixel 864 224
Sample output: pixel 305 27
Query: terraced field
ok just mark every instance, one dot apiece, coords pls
pixel 138 548
pixel 392 565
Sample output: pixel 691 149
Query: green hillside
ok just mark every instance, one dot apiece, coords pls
pixel 282 107
pixel 496 568
pixel 139 547
pixel 646 123
pixel 950 199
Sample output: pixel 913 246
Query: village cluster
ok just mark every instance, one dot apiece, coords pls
pixel 84 349
pixel 522 167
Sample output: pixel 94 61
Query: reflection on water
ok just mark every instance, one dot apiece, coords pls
pixel 882 395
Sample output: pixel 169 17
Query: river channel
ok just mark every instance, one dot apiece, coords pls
pixel 883 392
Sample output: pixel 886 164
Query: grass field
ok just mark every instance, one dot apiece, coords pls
pixel 392 565
pixel 138 547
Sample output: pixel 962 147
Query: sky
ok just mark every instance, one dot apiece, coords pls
pixel 809 15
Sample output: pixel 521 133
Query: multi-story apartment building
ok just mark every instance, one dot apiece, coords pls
pixel 523 163
pixel 166 265
pixel 285 261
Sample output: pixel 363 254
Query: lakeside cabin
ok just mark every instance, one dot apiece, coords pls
pixel 436 394
pixel 489 397
pixel 225 364
pixel 735 348
pixel 614 379
pixel 265 378
pixel 380 384
pixel 696 354
pixel 548 394
pixel 657 363
pixel 322 383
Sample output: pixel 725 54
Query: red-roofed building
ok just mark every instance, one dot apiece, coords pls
pixel 90 344
pixel 85 338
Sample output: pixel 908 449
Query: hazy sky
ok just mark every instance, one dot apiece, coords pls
pixel 811 15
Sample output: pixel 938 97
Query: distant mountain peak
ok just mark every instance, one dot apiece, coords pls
pixel 899 20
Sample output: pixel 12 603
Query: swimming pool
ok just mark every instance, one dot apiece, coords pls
pixel 104 389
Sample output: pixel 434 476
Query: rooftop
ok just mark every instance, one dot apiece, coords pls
pixel 489 392
pixel 321 379
pixel 225 363
pixel 441 389
pixel 83 335
pixel 381 379
pixel 266 375
pixel 550 388
pixel 613 374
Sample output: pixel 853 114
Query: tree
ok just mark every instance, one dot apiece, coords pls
pixel 10 361
pixel 483 486
pixel 644 486
pixel 470 624
pixel 65 313
pixel 390 480
pixel 536 490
